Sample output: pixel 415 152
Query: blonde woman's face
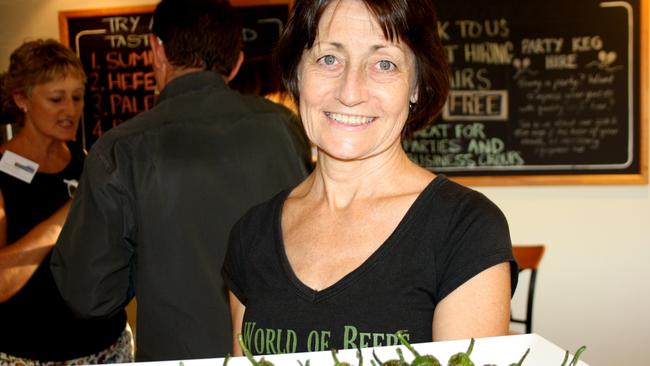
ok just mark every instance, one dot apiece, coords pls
pixel 54 108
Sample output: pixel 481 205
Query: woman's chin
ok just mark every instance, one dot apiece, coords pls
pixel 66 136
pixel 348 154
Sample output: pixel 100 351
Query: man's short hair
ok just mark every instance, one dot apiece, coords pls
pixel 199 33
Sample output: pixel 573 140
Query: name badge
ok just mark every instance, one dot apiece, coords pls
pixel 17 166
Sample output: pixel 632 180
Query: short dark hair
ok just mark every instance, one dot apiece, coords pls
pixel 413 22
pixel 33 63
pixel 199 33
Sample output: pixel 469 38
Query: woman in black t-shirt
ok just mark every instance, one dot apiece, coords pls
pixel 370 243
pixel 39 168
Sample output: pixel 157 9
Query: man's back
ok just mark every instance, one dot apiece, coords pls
pixel 164 190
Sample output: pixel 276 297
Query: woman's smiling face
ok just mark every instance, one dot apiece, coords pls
pixel 355 85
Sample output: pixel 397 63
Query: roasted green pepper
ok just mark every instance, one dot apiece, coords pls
pixel 399 362
pixel 420 360
pixel 336 360
pixel 462 358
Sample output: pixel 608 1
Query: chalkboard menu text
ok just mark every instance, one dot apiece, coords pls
pixel 542 92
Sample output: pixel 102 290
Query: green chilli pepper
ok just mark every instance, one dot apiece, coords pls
pixel 336 360
pixel 399 362
pixel 462 358
pixel 420 360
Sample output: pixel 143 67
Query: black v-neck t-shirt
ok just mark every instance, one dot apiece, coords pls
pixel 449 234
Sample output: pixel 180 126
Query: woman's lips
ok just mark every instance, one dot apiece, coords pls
pixel 349 120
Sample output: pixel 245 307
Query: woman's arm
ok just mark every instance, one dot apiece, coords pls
pixel 237 317
pixel 478 308
pixel 19 261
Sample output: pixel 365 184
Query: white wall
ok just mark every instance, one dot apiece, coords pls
pixel 593 287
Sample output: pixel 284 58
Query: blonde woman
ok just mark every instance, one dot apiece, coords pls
pixel 44 90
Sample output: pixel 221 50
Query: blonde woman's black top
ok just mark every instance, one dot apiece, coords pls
pixel 36 323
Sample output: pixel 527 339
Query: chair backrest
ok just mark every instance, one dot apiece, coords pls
pixel 528 258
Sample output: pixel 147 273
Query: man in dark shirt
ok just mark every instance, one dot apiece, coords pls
pixel 159 194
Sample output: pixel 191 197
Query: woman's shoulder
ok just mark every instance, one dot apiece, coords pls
pixel 446 189
pixel 445 198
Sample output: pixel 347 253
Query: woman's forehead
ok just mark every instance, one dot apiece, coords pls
pixel 353 15
pixel 67 80
pixel 348 19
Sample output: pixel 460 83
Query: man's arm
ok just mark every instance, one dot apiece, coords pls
pixel 92 260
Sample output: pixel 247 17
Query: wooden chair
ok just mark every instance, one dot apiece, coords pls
pixel 528 258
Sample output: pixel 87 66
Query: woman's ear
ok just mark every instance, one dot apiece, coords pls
pixel 22 101
pixel 414 96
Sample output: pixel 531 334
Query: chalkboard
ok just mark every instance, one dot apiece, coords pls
pixel 543 92
pixel 546 92
pixel 113 46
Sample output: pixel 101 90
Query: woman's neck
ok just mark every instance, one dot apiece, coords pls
pixel 50 154
pixel 341 183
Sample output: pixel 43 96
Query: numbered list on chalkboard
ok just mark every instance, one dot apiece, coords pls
pixel 118 61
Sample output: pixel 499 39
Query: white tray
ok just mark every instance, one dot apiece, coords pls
pixel 501 351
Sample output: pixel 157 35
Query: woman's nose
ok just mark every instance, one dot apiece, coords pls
pixel 69 107
pixel 352 88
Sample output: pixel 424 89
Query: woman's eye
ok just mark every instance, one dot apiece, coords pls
pixel 385 65
pixel 328 60
pixel 56 100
